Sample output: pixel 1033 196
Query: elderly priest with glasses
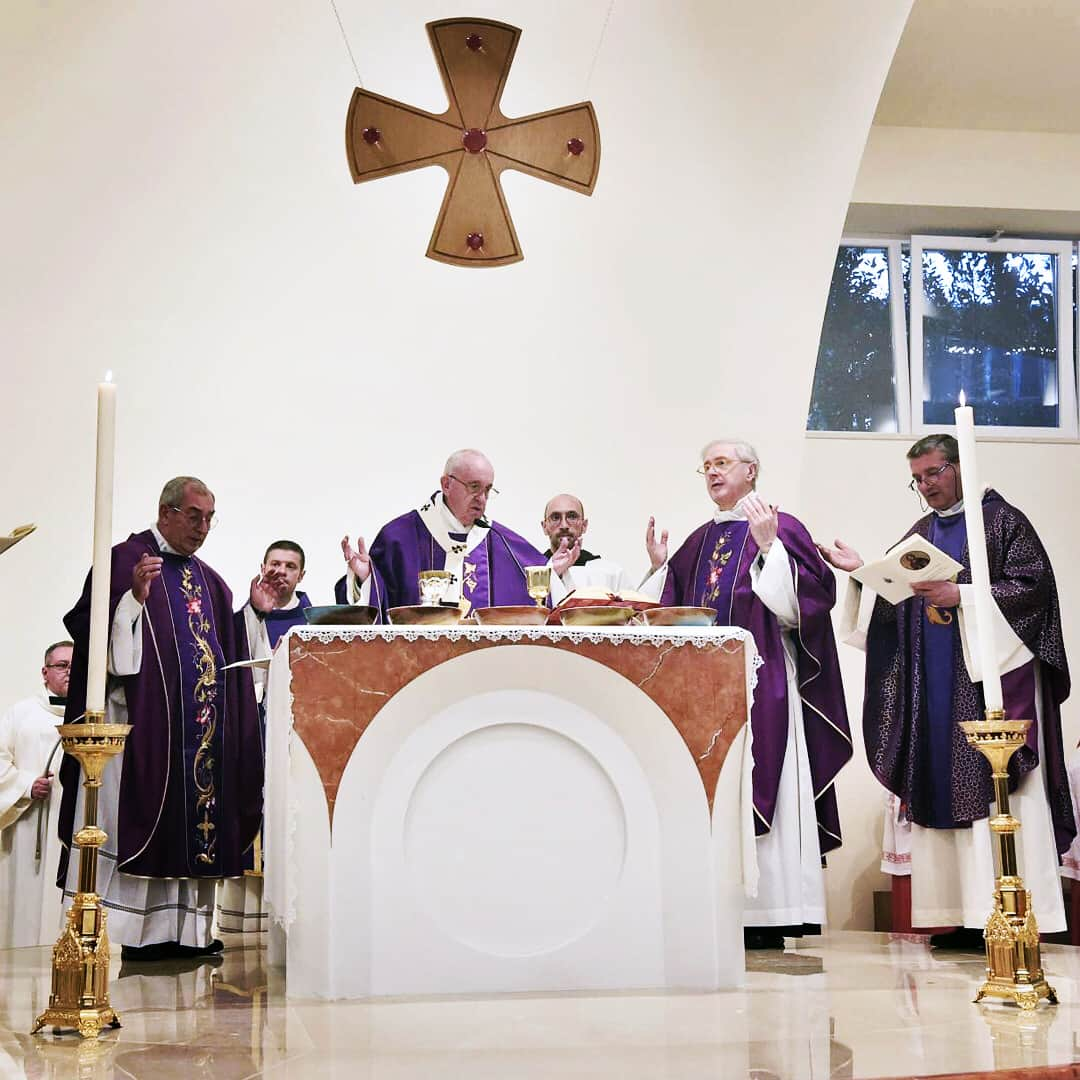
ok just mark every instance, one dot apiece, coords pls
pixel 919 684
pixel 447 532
pixel 184 801
pixel 759 569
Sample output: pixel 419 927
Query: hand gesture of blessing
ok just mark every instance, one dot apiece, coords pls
pixel 358 560
pixel 764 521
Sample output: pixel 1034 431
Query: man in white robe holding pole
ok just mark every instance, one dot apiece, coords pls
pixel 30 907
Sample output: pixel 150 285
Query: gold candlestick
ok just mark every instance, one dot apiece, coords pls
pixel 1013 960
pixel 80 966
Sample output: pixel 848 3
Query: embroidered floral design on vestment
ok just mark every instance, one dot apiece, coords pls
pixel 206 691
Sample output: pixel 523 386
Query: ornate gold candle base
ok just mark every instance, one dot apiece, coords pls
pixel 80 967
pixel 1013 960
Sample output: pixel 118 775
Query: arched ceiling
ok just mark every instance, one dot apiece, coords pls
pixel 1006 65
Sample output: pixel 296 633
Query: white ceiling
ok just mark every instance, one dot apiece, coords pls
pixel 1008 65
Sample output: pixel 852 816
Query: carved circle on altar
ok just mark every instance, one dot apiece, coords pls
pixel 488 834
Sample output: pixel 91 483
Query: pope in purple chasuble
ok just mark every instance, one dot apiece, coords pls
pixel 486 560
pixel 918 689
pixel 183 803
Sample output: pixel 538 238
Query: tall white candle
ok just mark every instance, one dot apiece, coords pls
pixel 980 568
pixel 99 583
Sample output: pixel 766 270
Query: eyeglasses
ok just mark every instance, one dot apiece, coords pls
pixel 720 465
pixel 474 487
pixel 571 517
pixel 64 665
pixel 194 518
pixel 917 482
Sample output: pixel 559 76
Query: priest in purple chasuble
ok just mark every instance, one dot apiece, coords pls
pixel 449 531
pixel 183 802
pixel 922 680
pixel 760 570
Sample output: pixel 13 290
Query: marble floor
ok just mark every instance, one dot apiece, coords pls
pixel 845 1005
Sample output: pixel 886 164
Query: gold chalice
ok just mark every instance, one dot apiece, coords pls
pixel 80 967
pixel 538 579
pixel 434 585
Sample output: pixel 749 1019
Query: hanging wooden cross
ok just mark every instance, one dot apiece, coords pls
pixel 473 141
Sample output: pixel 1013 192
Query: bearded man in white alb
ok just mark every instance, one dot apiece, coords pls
pixel 564 525
pixel 30 902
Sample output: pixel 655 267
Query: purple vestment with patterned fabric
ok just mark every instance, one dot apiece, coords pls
pixel 712 569
pixel 494 571
pixel 191 785
pixel 911 725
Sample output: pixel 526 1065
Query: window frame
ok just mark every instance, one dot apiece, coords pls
pixel 1067 365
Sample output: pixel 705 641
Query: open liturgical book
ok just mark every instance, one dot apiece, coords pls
pixel 914 559
pixel 15 537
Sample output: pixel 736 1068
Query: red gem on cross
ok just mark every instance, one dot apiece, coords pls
pixel 474 241
pixel 575 146
pixel 371 135
pixel 475 42
pixel 474 140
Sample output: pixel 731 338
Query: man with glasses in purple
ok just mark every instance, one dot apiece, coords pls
pixel 183 802
pixel 29 901
pixel 449 531
pixel 919 686
pixel 759 569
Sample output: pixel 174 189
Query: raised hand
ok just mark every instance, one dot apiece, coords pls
pixel 142 577
pixel 657 549
pixel 841 556
pixel 565 557
pixel 266 592
pixel 358 559
pixel 764 521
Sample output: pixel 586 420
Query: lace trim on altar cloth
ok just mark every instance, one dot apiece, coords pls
pixel 700 637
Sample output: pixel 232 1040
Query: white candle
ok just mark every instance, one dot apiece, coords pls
pixel 980 568
pixel 99 583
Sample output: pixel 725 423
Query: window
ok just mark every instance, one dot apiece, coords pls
pixel 863 345
pixel 992 318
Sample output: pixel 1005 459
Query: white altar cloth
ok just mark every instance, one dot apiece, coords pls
pixel 515 818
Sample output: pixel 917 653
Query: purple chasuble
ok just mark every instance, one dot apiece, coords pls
pixel 494 570
pixel 918 689
pixel 191 788
pixel 712 569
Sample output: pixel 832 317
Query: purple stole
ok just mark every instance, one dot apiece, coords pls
pixel 918 689
pixel 712 569
pixel 199 704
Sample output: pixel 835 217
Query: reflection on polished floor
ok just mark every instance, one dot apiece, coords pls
pixel 846 1005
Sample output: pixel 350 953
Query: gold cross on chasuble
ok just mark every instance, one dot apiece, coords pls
pixel 473 141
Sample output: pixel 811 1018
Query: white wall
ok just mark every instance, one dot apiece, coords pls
pixel 177 207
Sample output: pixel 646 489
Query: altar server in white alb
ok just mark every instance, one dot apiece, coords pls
pixel 564 525
pixel 30 902
pixel 758 568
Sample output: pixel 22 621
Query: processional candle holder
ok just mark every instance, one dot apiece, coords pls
pixel 80 962
pixel 1013 960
